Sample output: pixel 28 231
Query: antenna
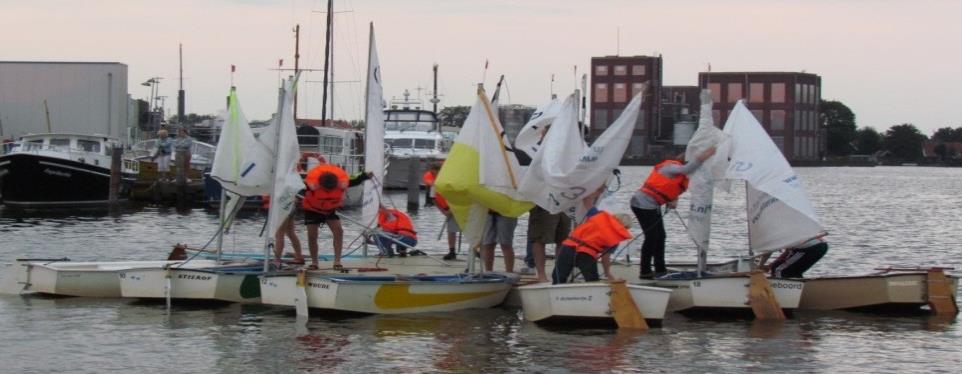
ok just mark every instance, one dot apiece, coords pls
pixel 181 97
pixel 618 41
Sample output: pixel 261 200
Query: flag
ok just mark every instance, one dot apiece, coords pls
pixel 373 137
pixel 480 174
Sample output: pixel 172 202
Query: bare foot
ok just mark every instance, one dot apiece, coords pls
pixel 542 280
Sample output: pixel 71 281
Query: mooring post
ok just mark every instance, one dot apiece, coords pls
pixel 414 185
pixel 116 160
pixel 183 165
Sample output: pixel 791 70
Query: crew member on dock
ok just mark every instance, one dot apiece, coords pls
pixel 794 262
pixel 498 230
pixel 326 185
pixel 450 223
pixel 428 179
pixel 397 229
pixel 590 241
pixel 667 181
pixel 162 154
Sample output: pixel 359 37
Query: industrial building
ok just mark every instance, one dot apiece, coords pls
pixel 65 97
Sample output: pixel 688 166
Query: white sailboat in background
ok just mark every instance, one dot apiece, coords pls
pixel 779 215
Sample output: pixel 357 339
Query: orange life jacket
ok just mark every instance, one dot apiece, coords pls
pixel 440 201
pixel 662 188
pixel 428 178
pixel 318 199
pixel 396 222
pixel 600 231
pixel 265 202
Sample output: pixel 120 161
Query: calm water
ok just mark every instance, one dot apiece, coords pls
pixel 876 216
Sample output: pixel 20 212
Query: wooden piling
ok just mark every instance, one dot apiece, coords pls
pixel 183 166
pixel 414 185
pixel 116 161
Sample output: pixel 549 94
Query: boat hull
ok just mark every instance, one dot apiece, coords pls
pixel 84 279
pixel 386 295
pixel 724 292
pixel 545 303
pixel 229 284
pixel 873 292
pixel 33 180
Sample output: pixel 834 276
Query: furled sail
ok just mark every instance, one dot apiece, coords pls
pixel 780 214
pixel 373 137
pixel 566 169
pixel 480 174
pixel 702 181
pixel 287 182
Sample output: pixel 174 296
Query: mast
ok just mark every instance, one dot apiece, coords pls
pixel 180 92
pixel 269 237
pixel 434 99
pixel 327 56
pixel 297 57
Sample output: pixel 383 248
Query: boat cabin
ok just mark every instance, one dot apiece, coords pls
pixel 87 149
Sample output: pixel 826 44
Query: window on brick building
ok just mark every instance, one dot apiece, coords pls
pixel 715 89
pixel 638 70
pixel 599 119
pixel 756 92
pixel 796 145
pixel 778 92
pixel 636 147
pixel 601 92
pixel 811 94
pixel 735 92
pixel 640 122
pixel 601 70
pixel 636 88
pixel 798 93
pixel 620 94
pixel 778 120
pixel 621 70
pixel 716 117
pixel 779 142
pixel 759 115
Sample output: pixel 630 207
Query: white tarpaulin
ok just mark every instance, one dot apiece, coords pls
pixel 701 184
pixel 287 182
pixel 373 137
pixel 566 169
pixel 780 214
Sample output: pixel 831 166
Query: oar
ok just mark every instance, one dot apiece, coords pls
pixel 762 299
pixel 624 309
pixel 300 294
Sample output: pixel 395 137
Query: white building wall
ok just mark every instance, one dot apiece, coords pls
pixel 83 97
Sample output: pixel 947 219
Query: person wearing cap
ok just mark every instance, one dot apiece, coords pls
pixel 667 181
pixel 326 185
pixel 590 241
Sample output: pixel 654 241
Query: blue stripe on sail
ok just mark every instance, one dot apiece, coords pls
pixel 248 169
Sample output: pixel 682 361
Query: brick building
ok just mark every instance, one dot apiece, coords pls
pixel 785 103
pixel 614 81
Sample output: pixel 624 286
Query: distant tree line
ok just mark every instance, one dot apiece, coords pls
pixel 901 142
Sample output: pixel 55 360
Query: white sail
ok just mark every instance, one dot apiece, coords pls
pixel 373 137
pixel 529 138
pixel 242 163
pixel 566 169
pixel 702 181
pixel 287 182
pixel 780 214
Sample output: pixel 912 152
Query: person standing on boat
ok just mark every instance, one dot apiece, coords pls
pixel 794 262
pixel 498 230
pixel 286 229
pixel 162 154
pixel 450 223
pixel 326 185
pixel 397 229
pixel 183 144
pixel 591 240
pixel 667 181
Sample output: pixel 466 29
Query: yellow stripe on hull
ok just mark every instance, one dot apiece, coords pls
pixel 399 296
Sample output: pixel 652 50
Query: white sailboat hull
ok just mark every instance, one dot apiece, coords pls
pixel 725 292
pixel 85 279
pixel 892 291
pixel 587 301
pixel 190 284
pixel 384 295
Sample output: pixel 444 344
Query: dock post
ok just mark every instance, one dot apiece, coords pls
pixel 183 165
pixel 113 195
pixel 414 187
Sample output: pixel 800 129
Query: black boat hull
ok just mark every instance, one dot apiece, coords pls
pixel 29 180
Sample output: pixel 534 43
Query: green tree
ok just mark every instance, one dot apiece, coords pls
pixel 190 118
pixel 867 141
pixel 948 134
pixel 454 115
pixel 839 122
pixel 904 142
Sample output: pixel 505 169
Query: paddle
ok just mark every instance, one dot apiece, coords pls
pixel 624 309
pixel 762 299
pixel 300 294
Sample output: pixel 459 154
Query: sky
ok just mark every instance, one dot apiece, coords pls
pixel 891 62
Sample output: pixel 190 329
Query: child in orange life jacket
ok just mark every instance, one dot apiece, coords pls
pixel 667 181
pixel 397 229
pixel 326 184
pixel 590 241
